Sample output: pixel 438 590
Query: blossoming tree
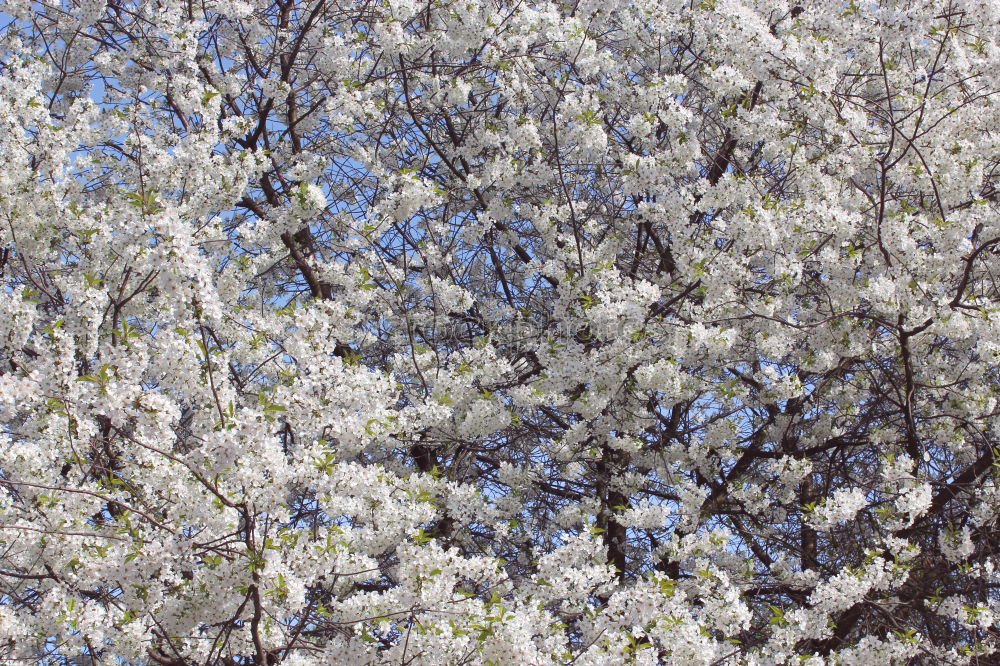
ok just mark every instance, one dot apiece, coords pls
pixel 477 331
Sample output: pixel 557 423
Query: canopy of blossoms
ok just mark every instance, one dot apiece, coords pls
pixel 499 332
